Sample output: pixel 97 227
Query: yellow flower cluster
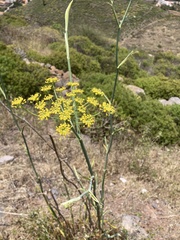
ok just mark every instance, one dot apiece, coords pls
pixel 60 89
pixel 51 80
pixel 97 91
pixel 93 101
pixel 66 106
pixel 87 119
pixel 63 129
pixel 48 97
pixel 65 114
pixel 18 102
pixel 44 114
pixel 72 84
pixel 107 108
pixel 34 97
pixel 46 88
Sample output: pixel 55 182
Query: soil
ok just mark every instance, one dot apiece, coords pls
pixel 158 35
pixel 158 208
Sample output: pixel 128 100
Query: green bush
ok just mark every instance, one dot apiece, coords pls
pixel 159 87
pixel 174 112
pixel 130 69
pixel 148 117
pixel 153 120
pixel 79 62
pixel 17 78
pixel 12 20
pixel 167 64
pixel 85 46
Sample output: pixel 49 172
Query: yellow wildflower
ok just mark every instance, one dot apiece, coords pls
pixel 60 89
pixel 67 102
pixel 70 94
pixel 107 108
pixel 66 114
pixel 51 80
pixel 87 119
pixel 55 108
pixel 40 105
pixel 77 91
pixel 72 84
pixel 44 114
pixel 46 88
pixel 93 101
pixel 79 100
pixel 82 109
pixel 34 98
pixel 48 97
pixel 63 129
pixel 97 91
pixel 17 102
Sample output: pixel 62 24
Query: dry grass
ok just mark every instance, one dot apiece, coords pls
pixel 144 165
pixel 32 38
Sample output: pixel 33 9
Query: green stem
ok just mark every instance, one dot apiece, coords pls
pixel 112 100
pixel 70 79
pixel 83 148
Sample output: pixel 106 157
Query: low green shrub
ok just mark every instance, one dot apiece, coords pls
pixel 17 78
pixel 105 57
pixel 159 87
pixel 131 68
pixel 167 64
pixel 148 117
pixel 12 20
pixel 84 45
pixel 79 62
pixel 94 36
pixel 152 119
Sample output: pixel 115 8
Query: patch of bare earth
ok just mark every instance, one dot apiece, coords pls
pixel 159 35
pixel 145 166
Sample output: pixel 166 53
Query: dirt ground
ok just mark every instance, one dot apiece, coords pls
pixel 143 165
pixel 159 35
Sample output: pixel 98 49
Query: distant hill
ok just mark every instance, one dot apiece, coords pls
pixel 94 14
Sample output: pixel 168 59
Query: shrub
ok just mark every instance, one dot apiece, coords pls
pixel 85 46
pixel 17 78
pixel 12 20
pixel 148 117
pixel 79 62
pixel 159 87
pixel 130 69
pixel 167 64
pixel 153 120
pixel 95 36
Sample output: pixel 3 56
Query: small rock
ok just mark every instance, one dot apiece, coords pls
pixel 26 61
pixel 6 159
pixel 136 90
pixel 55 191
pixel 48 65
pixel 164 102
pixel 174 100
pixel 171 101
pixel 135 232
pixel 123 180
pixel 143 190
pixel 129 222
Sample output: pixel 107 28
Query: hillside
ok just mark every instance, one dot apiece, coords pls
pixel 147 27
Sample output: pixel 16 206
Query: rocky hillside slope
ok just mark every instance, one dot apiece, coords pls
pixel 147 27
